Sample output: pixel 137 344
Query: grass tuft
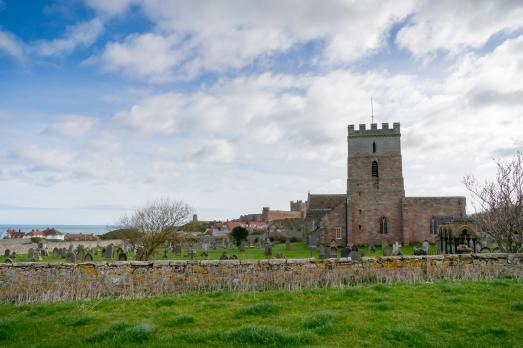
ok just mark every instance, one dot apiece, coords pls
pixel 381 288
pixel 266 336
pixel 6 331
pixel 179 320
pixel 384 307
pixel 82 321
pixel 518 307
pixel 408 336
pixel 319 321
pixel 260 309
pixel 165 302
pixel 122 332
pixel 496 332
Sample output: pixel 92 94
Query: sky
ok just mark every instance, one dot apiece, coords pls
pixel 234 105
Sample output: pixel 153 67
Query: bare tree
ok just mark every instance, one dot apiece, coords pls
pixel 157 222
pixel 500 204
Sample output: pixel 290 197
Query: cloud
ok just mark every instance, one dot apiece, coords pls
pixel 456 26
pixel 218 36
pixel 72 126
pixel 11 46
pixel 83 34
pixel 111 8
pixel 216 151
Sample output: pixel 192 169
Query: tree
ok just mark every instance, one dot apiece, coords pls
pixel 157 222
pixel 239 234
pixel 500 204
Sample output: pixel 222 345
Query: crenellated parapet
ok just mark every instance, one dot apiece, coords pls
pixel 374 130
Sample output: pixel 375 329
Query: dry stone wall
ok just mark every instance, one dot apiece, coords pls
pixel 47 282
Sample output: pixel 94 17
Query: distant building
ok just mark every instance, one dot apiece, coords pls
pixel 79 237
pixel 14 234
pixel 49 233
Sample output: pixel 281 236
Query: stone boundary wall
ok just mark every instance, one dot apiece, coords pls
pixel 49 282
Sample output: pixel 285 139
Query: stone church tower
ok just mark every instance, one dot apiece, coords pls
pixel 374 184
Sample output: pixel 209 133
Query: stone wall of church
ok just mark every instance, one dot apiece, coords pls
pixel 335 219
pixel 418 211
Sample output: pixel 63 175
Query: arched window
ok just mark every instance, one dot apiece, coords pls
pixel 374 147
pixel 384 228
pixel 433 226
pixel 375 169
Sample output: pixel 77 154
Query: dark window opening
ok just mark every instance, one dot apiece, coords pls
pixel 375 169
pixel 384 228
pixel 360 211
pixel 359 227
pixel 374 147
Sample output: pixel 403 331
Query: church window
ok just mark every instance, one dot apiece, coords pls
pixel 338 232
pixel 374 147
pixel 433 226
pixel 375 169
pixel 384 228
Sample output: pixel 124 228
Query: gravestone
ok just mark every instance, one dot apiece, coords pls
pixel 44 252
pixel 346 251
pixel 396 249
pixel 485 250
pixel 224 256
pixel 242 247
pixel 372 249
pixel 40 245
pixel 165 256
pixel 13 254
pixel 333 252
pixel 355 255
pixel 56 252
pixel 478 247
pixel 117 252
pixel 122 257
pixel 204 255
pixel 70 248
pixel 387 250
pixel 108 253
pixel 7 252
pixel 268 249
pixel 425 246
pixel 88 257
pixel 178 250
pixel 205 248
pixel 191 253
pixel 71 257
pixel 80 253
pixel 30 253
pixel 213 244
pixel 324 252
pixel 287 244
pixel 63 252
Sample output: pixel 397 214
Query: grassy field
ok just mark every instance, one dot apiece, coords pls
pixel 298 251
pixel 487 314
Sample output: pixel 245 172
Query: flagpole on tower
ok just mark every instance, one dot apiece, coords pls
pixel 371 111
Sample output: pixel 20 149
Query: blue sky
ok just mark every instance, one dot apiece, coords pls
pixel 235 105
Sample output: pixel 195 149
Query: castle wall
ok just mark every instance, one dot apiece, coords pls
pixel 417 212
pixel 47 282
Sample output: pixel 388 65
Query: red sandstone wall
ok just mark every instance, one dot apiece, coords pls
pixel 334 219
pixel 417 212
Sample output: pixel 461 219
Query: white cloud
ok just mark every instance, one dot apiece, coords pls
pixel 112 7
pixel 231 34
pixel 82 34
pixel 73 126
pixel 216 151
pixel 11 46
pixel 455 26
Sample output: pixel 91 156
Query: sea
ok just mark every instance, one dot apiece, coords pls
pixel 96 229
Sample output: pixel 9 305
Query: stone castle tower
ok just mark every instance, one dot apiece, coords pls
pixel 374 184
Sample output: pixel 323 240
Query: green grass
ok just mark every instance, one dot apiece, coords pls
pixel 299 250
pixel 489 313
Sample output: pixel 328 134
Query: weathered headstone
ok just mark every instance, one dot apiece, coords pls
pixel 372 249
pixel 71 257
pixel 213 244
pixel 88 257
pixel 63 252
pixel 425 246
pixel 13 254
pixel 242 247
pixel 165 256
pixel 287 244
pixel 346 251
pixel 56 252
pixel 7 253
pixel 108 253
pixel 324 252
pixel 355 255
pixel 71 247
pixel 387 250
pixel 30 253
pixel 178 250
pixel 191 253
pixel 224 256
pixel 333 252
pixel 478 247
pixel 40 245
pixel 268 249
pixel 80 253
pixel 122 257
pixel 396 249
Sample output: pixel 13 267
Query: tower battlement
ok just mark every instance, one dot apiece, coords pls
pixel 374 130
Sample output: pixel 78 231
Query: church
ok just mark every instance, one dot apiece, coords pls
pixel 375 207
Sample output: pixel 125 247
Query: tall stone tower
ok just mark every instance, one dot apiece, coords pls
pixel 374 184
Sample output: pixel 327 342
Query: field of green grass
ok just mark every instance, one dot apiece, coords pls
pixel 298 250
pixel 442 314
